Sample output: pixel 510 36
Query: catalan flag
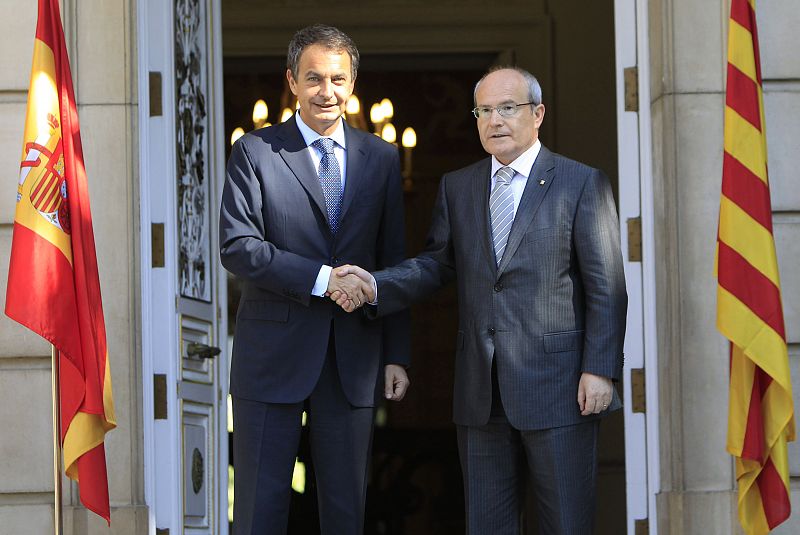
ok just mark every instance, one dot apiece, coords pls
pixel 53 282
pixel 749 311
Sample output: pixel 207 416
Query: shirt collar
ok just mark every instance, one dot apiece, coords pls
pixel 310 136
pixel 524 162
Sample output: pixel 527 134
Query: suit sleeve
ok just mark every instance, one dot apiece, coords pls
pixel 244 248
pixel 390 251
pixel 597 246
pixel 416 278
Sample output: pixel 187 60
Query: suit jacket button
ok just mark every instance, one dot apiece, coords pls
pixel 491 331
pixel 498 287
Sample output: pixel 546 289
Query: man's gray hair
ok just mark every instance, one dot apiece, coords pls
pixel 319 34
pixel 534 89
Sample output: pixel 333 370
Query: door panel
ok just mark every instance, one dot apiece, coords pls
pixel 199 486
pixel 199 425
pixel 197 335
pixel 640 375
pixel 182 330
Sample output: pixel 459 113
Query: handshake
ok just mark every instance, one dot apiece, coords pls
pixel 351 287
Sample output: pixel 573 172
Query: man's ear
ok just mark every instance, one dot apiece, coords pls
pixel 539 112
pixel 292 81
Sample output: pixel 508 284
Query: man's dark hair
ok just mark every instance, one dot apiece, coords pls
pixel 319 34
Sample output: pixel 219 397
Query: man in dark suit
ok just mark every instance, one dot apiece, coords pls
pixel 302 198
pixel 533 238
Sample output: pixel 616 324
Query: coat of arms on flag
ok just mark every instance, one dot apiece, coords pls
pixel 41 174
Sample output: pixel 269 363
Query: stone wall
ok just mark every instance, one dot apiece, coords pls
pixel 688 42
pixel 101 42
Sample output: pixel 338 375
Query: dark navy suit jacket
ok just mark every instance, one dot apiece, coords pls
pixel 274 236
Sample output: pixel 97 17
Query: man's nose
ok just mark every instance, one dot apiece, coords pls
pixel 326 88
pixel 495 118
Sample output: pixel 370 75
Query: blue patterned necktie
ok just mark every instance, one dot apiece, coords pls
pixel 330 177
pixel 501 210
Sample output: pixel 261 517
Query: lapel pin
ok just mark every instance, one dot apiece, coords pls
pixel 541 182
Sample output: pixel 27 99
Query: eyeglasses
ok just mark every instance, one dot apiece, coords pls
pixel 505 110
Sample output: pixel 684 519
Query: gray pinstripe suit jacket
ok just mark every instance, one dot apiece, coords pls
pixel 554 308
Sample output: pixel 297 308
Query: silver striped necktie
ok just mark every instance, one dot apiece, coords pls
pixel 501 210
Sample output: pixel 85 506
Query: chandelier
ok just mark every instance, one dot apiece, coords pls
pixel 380 116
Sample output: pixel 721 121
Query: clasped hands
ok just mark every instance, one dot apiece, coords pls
pixel 351 287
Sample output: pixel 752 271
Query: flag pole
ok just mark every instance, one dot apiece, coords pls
pixel 57 517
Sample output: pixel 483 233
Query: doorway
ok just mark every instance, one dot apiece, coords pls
pixel 428 72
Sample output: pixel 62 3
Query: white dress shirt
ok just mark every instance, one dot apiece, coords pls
pixel 339 150
pixel 522 167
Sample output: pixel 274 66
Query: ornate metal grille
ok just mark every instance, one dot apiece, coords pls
pixel 191 82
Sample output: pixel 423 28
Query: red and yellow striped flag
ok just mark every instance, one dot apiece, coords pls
pixel 53 282
pixel 749 311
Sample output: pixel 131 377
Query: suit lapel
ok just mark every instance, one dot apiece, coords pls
pixel 481 184
pixel 294 152
pixel 543 169
pixel 355 168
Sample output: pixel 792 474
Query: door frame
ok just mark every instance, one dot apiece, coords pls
pixel 158 285
pixel 634 141
pixel 155 53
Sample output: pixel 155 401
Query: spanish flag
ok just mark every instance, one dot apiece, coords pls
pixel 749 311
pixel 53 283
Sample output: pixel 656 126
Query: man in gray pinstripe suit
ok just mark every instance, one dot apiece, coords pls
pixel 533 239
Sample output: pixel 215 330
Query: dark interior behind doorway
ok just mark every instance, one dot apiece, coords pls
pixel 416 481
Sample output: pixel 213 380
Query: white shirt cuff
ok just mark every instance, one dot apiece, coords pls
pixel 374 290
pixel 321 286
